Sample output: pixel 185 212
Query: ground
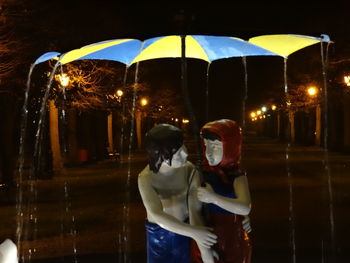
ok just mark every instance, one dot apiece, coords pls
pixel 94 212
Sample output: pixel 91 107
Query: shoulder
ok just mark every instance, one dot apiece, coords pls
pixel 193 174
pixel 190 165
pixel 145 173
pixel 192 169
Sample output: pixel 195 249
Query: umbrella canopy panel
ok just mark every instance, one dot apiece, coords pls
pixel 284 45
pixel 47 56
pixel 121 50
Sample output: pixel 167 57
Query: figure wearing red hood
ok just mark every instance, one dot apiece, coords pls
pixel 226 192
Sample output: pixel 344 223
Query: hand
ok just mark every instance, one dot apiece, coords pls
pixel 206 194
pixel 246 224
pixel 203 236
pixel 209 255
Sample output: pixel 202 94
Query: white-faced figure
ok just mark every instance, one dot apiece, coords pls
pixel 213 151
pixel 226 192
pixel 168 187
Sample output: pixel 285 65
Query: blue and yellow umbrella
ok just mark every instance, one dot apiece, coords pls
pixel 207 48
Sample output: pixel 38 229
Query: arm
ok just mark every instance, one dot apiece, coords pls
pixel 154 209
pixel 240 205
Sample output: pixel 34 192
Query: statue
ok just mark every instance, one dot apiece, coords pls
pixel 8 252
pixel 168 187
pixel 226 192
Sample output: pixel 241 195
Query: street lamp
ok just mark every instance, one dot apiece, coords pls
pixel 143 102
pixel 63 79
pixel 312 91
pixel 119 93
pixel 139 114
pixel 347 80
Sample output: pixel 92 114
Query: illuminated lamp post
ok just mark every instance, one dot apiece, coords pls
pixel 63 80
pixel 312 93
pixel 347 113
pixel 139 112
pixel 118 96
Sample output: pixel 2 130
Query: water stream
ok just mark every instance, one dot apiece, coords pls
pixel 326 163
pixel 288 170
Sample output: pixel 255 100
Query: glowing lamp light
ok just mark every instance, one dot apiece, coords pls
pixel 143 102
pixel 347 80
pixel 252 114
pixel 119 93
pixel 185 121
pixel 64 79
pixel 263 108
pixel 258 112
pixel 312 91
pixel 273 107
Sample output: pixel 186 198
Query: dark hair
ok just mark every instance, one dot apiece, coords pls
pixel 161 142
pixel 209 135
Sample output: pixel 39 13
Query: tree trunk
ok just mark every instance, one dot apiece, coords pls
pixel 318 125
pixel 110 132
pixel 54 139
pixel 138 119
pixel 278 129
pixel 292 127
pixel 347 122
pixel 72 136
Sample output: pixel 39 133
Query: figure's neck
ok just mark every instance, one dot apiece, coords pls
pixel 165 169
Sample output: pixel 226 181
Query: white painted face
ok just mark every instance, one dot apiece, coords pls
pixel 180 157
pixel 213 151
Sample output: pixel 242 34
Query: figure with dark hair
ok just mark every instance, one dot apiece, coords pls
pixel 226 192
pixel 168 188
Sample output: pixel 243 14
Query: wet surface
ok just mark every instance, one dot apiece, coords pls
pixel 80 216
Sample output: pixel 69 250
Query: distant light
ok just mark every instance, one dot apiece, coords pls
pixel 252 114
pixel 263 108
pixel 63 79
pixel 312 91
pixel 120 93
pixel 176 119
pixel 258 112
pixel 273 107
pixel 143 102
pixel 185 121
pixel 347 80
